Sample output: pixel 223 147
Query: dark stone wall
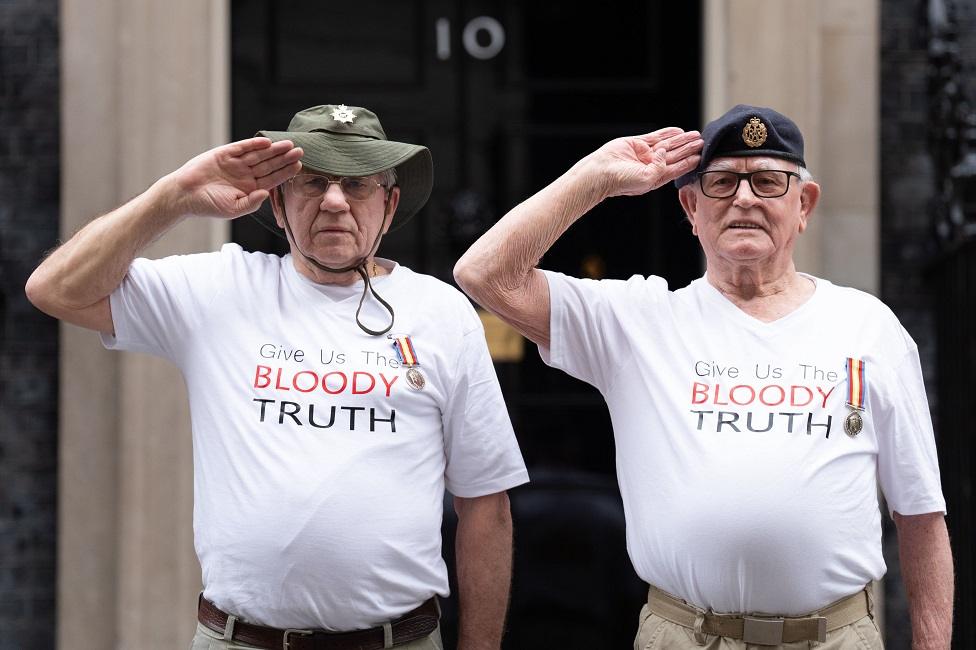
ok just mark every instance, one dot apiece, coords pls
pixel 29 182
pixel 908 243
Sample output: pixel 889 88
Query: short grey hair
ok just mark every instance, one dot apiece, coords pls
pixel 388 177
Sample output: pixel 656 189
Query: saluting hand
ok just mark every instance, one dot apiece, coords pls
pixel 638 164
pixel 234 179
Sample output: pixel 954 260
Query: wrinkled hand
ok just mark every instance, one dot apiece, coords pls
pixel 234 179
pixel 638 164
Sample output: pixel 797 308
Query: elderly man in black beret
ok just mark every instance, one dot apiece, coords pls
pixel 334 395
pixel 755 411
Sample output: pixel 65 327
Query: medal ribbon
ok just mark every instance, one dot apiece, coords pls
pixel 404 350
pixel 855 383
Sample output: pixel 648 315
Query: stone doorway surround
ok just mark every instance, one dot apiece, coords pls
pixel 144 88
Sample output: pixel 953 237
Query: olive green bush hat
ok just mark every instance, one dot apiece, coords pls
pixel 349 141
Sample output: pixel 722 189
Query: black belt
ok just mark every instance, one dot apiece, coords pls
pixel 413 625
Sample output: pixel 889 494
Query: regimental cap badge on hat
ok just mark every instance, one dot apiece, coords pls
pixel 343 114
pixel 748 131
pixel 754 133
pixel 350 141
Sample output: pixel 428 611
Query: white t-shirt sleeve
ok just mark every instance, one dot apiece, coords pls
pixel 908 465
pixel 160 302
pixel 483 456
pixel 585 335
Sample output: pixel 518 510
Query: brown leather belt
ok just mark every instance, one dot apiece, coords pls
pixel 761 629
pixel 413 625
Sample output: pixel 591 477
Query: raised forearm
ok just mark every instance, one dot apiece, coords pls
pixel 502 259
pixel 90 265
pixel 484 568
pixel 228 181
pixel 499 272
pixel 926 567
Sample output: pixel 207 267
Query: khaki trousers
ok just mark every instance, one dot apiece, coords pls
pixel 656 633
pixel 207 639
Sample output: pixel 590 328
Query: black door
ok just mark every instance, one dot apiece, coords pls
pixel 507 95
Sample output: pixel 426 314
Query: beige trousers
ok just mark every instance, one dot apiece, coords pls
pixel 655 633
pixel 207 639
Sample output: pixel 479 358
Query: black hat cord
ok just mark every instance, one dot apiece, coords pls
pixel 359 267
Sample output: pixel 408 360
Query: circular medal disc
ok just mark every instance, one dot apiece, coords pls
pixel 415 379
pixel 853 424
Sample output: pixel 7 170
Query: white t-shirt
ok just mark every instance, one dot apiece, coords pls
pixel 319 474
pixel 741 489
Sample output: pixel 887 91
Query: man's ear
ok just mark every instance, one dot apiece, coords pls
pixel 392 201
pixel 689 203
pixel 809 197
pixel 278 206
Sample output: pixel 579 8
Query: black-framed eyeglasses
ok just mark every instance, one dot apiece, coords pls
pixel 356 188
pixel 765 183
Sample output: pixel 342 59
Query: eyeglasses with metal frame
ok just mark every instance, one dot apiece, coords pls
pixel 765 183
pixel 356 188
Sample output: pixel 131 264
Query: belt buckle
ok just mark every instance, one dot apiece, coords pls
pixel 285 644
pixel 821 628
pixel 762 631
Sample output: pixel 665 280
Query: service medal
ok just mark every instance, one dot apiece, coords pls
pixel 856 386
pixel 408 357
pixel 853 423
pixel 415 379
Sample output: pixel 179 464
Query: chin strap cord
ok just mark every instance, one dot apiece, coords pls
pixel 369 286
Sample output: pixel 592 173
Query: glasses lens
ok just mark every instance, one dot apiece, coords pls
pixel 310 185
pixel 719 185
pixel 770 183
pixel 356 188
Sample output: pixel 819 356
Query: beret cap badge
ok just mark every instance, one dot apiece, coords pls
pixel 754 133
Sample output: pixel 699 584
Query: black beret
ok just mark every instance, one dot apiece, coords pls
pixel 748 131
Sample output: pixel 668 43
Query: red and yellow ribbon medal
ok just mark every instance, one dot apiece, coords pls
pixel 408 357
pixel 855 396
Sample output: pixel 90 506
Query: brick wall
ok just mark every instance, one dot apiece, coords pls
pixel 29 170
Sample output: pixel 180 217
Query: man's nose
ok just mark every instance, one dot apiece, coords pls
pixel 744 194
pixel 334 199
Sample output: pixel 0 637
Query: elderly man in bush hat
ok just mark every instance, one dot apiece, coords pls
pixel 754 410
pixel 334 395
